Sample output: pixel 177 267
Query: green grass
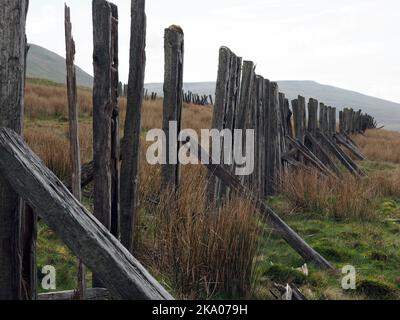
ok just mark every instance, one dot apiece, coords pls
pixel 373 248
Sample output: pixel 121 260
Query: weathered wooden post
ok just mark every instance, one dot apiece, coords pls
pixel 221 101
pixel 173 84
pixel 261 141
pixel 332 121
pixel 73 130
pixel 12 84
pixel 312 122
pixel 115 139
pixel 324 118
pixel 299 115
pixel 341 121
pixel 274 148
pixel 313 116
pixel 131 140
pixel 105 116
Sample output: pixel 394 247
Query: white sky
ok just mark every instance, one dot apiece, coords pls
pixel 353 44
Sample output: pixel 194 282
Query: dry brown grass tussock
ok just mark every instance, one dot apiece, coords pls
pixel 380 145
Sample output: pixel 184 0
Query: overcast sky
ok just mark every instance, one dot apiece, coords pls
pixel 353 44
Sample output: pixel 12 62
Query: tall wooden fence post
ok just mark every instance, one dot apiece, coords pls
pixel 115 139
pixel 221 101
pixel 12 84
pixel 173 84
pixel 131 142
pixel 274 149
pixel 74 130
pixel 105 111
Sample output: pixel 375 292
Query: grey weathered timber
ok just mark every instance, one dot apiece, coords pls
pixel 103 107
pixel 131 141
pixel 29 260
pixel 341 122
pixel 221 100
pixel 340 155
pixel 261 138
pixel 323 118
pixel 115 139
pixel 75 156
pixel 228 119
pixel 341 140
pixel 312 123
pixel 274 149
pixel 12 84
pixel 323 154
pixel 308 155
pixel 313 116
pixel 271 218
pixel 332 121
pixel 248 80
pixel 91 294
pixel 85 236
pixel 299 116
pixel 173 102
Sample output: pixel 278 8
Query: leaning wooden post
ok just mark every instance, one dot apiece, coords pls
pixel 172 117
pixel 87 238
pixel 12 85
pixel 131 142
pixel 73 130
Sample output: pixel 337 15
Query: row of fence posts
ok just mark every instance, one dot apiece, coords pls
pixel 243 100
pixel 188 97
pixel 284 135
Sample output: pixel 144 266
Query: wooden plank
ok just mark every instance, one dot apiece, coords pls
pixel 274 148
pixel 131 141
pixel 340 155
pixel 115 139
pixel 85 236
pixel 261 139
pixel 91 294
pixel 75 156
pixel 103 106
pixel 102 111
pixel 323 154
pixel 309 156
pixel 229 114
pixel 12 85
pixel 332 121
pixel 172 111
pixel 271 218
pixel 312 123
pixel 299 117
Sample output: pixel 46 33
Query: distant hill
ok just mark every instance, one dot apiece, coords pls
pixel 387 113
pixel 45 64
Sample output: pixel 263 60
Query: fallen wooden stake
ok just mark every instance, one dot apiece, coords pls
pixel 349 146
pixel 287 233
pixel 88 239
pixel 308 155
pixel 342 156
pixel 90 294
